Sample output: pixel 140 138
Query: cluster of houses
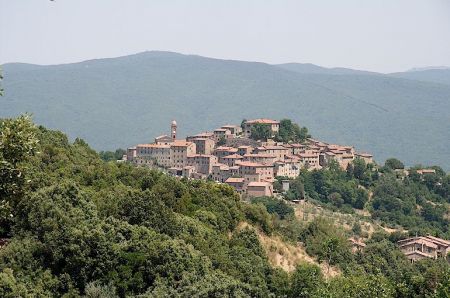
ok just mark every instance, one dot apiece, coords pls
pixel 422 247
pixel 415 248
pixel 247 165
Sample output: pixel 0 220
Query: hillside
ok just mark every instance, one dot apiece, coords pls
pixel 127 100
pixel 73 225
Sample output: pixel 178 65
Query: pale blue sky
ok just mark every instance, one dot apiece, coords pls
pixel 378 35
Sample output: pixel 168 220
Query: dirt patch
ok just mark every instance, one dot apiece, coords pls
pixel 286 255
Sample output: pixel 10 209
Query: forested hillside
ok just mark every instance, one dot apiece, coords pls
pixel 78 226
pixel 123 101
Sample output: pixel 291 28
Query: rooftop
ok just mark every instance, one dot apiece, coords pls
pixel 258 184
pixel 234 180
pixel 181 143
pixel 152 146
pixel 233 156
pixel 252 164
pixel 262 121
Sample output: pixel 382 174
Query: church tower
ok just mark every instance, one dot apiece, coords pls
pixel 173 130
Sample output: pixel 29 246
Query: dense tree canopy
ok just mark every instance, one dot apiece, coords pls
pixel 291 132
pixel 78 226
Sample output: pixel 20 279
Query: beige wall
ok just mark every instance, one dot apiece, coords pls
pixel 179 154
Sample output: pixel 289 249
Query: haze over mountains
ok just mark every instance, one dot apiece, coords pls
pixel 119 102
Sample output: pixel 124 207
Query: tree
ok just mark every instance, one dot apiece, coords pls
pixel 394 164
pixel 112 156
pixel 18 143
pixel 275 206
pixel 291 132
pixel 261 131
pixel 306 280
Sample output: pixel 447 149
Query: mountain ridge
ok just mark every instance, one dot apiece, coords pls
pixel 118 102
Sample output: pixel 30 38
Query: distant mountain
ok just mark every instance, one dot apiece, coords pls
pixel 123 101
pixel 312 68
pixel 427 68
pixel 435 75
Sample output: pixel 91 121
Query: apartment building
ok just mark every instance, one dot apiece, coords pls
pixel 264 172
pixel 179 152
pixel 278 151
pixel 202 163
pixel 160 154
pixel 203 145
pixel 223 151
pixel 232 160
pixel 261 158
pixel 259 189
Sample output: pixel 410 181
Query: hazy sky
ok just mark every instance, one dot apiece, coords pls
pixel 378 35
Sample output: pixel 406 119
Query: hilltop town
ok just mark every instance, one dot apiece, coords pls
pixel 231 154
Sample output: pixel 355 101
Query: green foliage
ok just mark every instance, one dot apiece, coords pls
pixel 410 203
pixel 275 206
pixel 394 164
pixel 306 281
pixel 18 143
pixel 335 187
pixel 261 131
pixel 112 156
pixel 296 189
pixel 359 286
pixel 291 132
pixel 85 227
pixel 323 240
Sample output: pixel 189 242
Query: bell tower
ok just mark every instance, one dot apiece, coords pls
pixel 173 130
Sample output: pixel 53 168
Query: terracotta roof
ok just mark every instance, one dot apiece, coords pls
pixel 153 146
pixel 201 155
pixel 204 134
pixel 252 164
pixel 275 148
pixel 439 240
pixel 364 154
pixel 181 143
pixel 261 155
pixel 245 147
pixel 233 156
pixel 234 180
pixel 200 139
pixel 419 241
pixel 262 121
pixel 258 184
pixel 221 166
pixel 230 126
pixel 426 171
pixel 308 155
pixel 220 129
pixel 223 148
